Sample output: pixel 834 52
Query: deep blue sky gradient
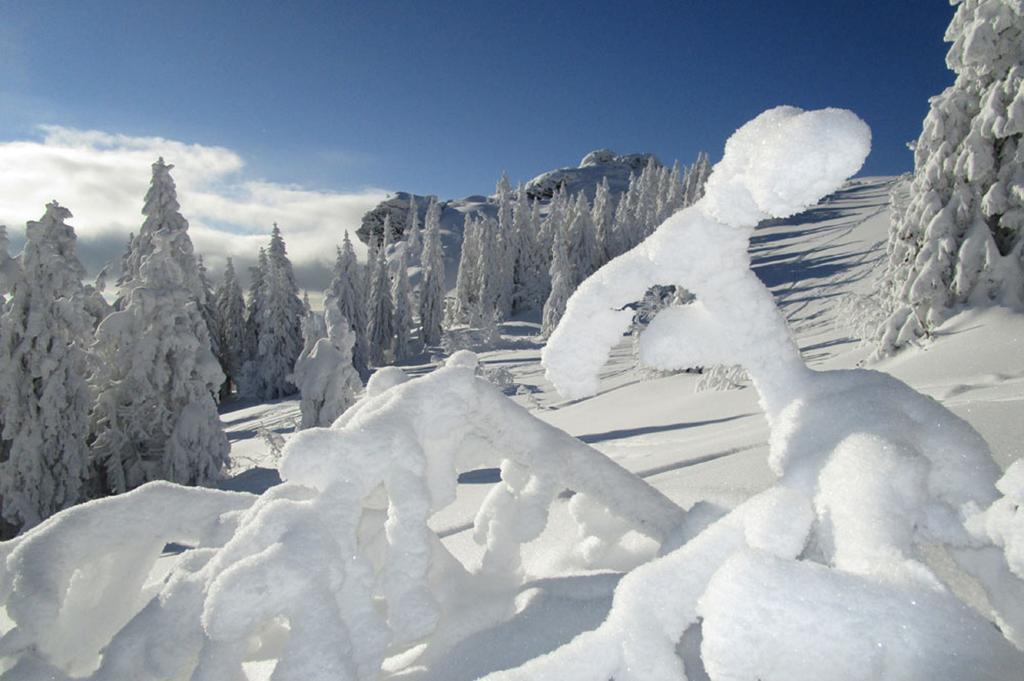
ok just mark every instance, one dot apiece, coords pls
pixel 440 97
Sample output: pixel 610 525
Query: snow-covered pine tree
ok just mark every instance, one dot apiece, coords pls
pixel 388 237
pixel 44 336
pixel 960 238
pixel 96 306
pixel 230 328
pixel 561 287
pixel 280 327
pixel 525 282
pixel 603 216
pixel 581 241
pixel 696 176
pixel 8 266
pixel 507 248
pixel 380 327
pixel 251 381
pixel 412 235
pixel 624 234
pixel 327 380
pixel 162 211
pixel 347 288
pixel 467 281
pixel 403 321
pixel 153 377
pixel 432 287
pixel 492 280
pixel 209 310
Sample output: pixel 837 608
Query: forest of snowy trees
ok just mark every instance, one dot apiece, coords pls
pixel 128 390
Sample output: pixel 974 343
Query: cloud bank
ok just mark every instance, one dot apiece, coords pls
pixel 102 178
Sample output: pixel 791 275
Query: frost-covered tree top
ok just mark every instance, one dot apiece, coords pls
pixel 162 213
pixel 44 407
pixel 960 237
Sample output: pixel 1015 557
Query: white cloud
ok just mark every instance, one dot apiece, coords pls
pixel 103 178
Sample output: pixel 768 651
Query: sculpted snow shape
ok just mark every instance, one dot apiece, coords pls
pixel 874 478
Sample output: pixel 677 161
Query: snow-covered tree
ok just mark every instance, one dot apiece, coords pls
pixel 380 327
pixel 347 287
pixel 581 241
pixel 467 281
pixel 96 306
pixel 412 236
pixel 403 321
pixel 959 239
pixel 8 265
pixel 162 212
pixel 250 381
pixel 44 411
pixel 209 310
pixel 491 277
pixel 603 216
pixel 153 377
pixel 528 278
pixel 280 325
pixel 432 286
pixel 562 286
pixel 230 328
pixel 327 380
pixel 506 249
pixel 389 237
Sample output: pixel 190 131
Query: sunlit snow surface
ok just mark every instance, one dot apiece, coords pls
pixel 765 615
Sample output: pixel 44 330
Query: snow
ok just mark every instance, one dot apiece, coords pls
pixel 763 577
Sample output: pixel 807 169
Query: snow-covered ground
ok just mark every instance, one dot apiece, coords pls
pixel 692 446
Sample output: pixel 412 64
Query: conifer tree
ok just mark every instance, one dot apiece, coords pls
pixel 250 381
pixel 467 281
pixel 347 287
pixel 432 286
pixel 412 231
pixel 163 214
pixel 8 266
pixel 603 217
pixel 153 376
pixel 44 335
pixel 230 330
pixel 490 277
pixel 506 249
pixel 561 287
pixel 403 321
pixel 380 329
pixel 581 241
pixel 209 311
pixel 280 327
pixel 960 238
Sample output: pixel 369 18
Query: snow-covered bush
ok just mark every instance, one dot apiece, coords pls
pixel 326 377
pixel 812 578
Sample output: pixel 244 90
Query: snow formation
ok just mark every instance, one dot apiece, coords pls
pixel 843 569
pixel 810 579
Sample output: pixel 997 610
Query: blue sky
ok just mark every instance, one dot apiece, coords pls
pixel 440 97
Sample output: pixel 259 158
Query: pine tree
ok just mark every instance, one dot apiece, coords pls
pixel 467 281
pixel 959 239
pixel 526 258
pixel 8 266
pixel 506 249
pixel 491 278
pixel 411 236
pixel 380 329
pixel 347 287
pixel 582 248
pixel 280 326
pixel 209 311
pixel 162 213
pixel 603 216
pixel 403 321
pixel 153 377
pixel 44 335
pixel 432 286
pixel 230 330
pixel 561 288
pixel 388 233
pixel 327 380
pixel 251 379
